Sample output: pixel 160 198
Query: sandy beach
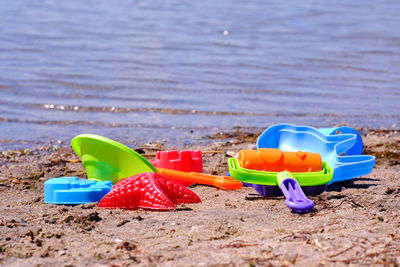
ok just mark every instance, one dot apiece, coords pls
pixel 354 222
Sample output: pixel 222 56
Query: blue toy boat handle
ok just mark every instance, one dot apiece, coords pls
pixel 357 148
pixel 340 147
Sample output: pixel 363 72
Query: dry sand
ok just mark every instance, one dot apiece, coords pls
pixel 354 222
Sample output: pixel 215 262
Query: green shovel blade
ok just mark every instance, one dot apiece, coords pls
pixel 105 159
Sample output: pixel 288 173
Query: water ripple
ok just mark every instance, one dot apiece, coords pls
pixel 153 69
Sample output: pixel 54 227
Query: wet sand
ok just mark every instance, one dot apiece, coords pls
pixel 354 222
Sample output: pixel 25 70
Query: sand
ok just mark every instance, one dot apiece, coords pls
pixel 354 222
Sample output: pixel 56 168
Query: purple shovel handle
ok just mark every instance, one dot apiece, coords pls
pixel 296 200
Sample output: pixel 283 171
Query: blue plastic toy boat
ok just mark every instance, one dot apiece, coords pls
pixel 341 151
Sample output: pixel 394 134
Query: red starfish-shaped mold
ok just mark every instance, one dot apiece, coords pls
pixel 148 191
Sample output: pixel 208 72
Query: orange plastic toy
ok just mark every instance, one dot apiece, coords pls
pixel 275 160
pixel 188 178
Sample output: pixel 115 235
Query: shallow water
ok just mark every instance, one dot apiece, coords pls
pixel 178 70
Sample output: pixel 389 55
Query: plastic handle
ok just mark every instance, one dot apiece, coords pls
pixel 357 149
pixel 296 200
pixel 223 182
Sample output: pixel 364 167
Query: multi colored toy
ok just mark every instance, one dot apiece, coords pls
pixel 279 166
pixel 312 175
pixel 72 190
pixel 289 137
pixel 312 183
pixel 105 159
pixel 186 161
pixel 148 191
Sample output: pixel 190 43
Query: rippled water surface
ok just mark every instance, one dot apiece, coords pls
pixel 177 70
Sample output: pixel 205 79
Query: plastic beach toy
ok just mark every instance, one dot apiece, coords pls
pixel 313 177
pixel 295 198
pixel 148 191
pixel 294 186
pixel 187 161
pixel 105 159
pixel 311 173
pixel 275 160
pixel 72 190
pixel 289 137
pixel 312 182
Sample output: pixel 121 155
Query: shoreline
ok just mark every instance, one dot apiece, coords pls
pixel 191 138
pixel 354 222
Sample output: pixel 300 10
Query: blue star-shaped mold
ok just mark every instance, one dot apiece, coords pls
pixel 289 137
pixel 72 190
